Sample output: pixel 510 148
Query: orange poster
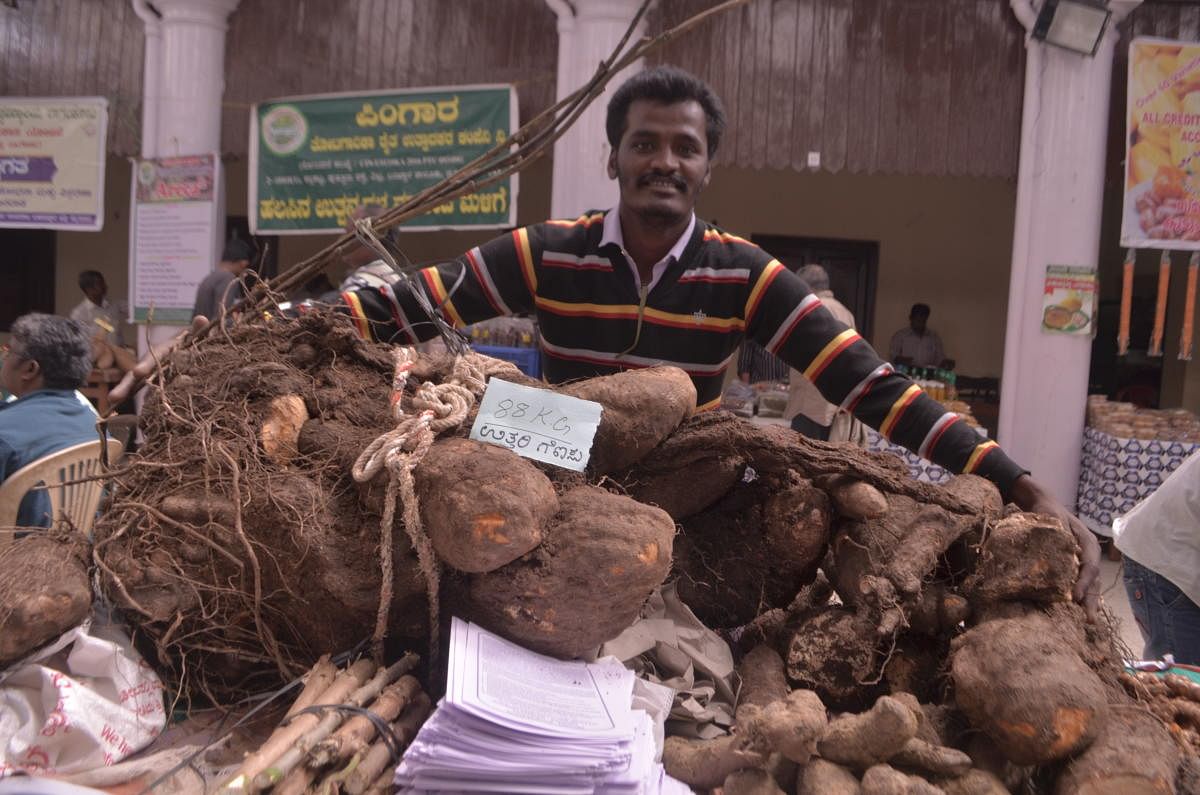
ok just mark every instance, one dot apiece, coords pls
pixel 1162 181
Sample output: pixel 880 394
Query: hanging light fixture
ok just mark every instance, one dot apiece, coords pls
pixel 1076 25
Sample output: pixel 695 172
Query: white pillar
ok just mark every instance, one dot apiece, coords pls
pixel 193 75
pixel 587 32
pixel 1060 191
pixel 184 78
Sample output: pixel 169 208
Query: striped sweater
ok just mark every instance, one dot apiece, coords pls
pixel 594 320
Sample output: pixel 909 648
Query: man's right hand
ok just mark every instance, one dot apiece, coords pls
pixel 133 379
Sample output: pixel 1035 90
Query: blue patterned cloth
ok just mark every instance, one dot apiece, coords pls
pixel 918 467
pixel 1118 473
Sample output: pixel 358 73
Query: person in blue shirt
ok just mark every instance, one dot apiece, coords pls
pixel 48 358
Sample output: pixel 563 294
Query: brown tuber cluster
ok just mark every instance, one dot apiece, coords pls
pixel 900 637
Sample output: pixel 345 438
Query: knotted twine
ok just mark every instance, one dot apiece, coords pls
pixel 439 407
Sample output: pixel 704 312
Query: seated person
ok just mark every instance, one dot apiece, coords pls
pixel 48 358
pixel 101 320
pixel 917 345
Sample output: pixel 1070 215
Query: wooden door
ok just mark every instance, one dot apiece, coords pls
pixel 852 266
pixel 26 273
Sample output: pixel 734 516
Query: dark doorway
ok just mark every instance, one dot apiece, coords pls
pixel 853 267
pixel 26 273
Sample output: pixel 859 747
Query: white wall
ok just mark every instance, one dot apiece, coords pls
pixel 943 241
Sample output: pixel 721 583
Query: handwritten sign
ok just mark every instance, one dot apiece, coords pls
pixel 537 423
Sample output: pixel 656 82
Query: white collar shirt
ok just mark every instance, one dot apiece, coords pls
pixel 612 234
pixel 1162 532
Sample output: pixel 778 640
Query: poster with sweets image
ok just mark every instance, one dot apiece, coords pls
pixel 1162 180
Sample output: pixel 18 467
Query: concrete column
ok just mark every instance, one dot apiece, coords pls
pixel 184 78
pixel 193 75
pixel 587 32
pixel 1060 190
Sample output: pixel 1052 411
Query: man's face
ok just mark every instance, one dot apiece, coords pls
pixel 661 163
pixel 918 321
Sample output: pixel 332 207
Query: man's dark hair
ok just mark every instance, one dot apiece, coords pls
pixel 59 345
pixel 666 85
pixel 919 310
pixel 237 250
pixel 90 279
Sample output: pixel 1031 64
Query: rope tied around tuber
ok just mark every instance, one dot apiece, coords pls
pixel 441 407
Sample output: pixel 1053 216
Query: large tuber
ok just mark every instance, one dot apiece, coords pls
pixel 603 554
pixel 641 408
pixel 1132 755
pixel 1033 695
pixel 1026 557
pixel 483 506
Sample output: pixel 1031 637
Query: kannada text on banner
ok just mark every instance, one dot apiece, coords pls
pixel 313 160
pixel 174 223
pixel 1162 185
pixel 52 154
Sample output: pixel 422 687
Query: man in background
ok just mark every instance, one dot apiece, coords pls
pixel 917 345
pixel 101 321
pixel 810 413
pixel 223 287
pixel 48 358
pixel 1160 540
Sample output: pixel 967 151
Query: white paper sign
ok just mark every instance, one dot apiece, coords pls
pixel 537 423
pixel 175 235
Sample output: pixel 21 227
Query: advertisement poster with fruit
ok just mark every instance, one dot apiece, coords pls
pixel 1162 183
pixel 1069 300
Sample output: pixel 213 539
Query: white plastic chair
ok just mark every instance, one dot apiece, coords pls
pixel 70 500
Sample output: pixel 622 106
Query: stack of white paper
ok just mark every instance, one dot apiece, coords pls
pixel 516 721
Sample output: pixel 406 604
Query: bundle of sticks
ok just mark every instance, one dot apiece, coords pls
pixel 344 733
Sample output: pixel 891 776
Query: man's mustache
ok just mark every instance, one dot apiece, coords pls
pixel 674 179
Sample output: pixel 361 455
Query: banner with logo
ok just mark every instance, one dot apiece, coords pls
pixel 1162 181
pixel 174 235
pixel 313 160
pixel 52 162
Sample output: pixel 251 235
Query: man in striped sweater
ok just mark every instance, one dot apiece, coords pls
pixel 648 283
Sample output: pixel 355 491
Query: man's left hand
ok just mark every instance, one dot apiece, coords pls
pixel 1031 496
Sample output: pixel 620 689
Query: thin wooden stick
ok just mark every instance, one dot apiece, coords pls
pixel 356 733
pixel 380 755
pixel 319 679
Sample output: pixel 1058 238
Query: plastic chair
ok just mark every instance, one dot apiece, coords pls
pixel 76 502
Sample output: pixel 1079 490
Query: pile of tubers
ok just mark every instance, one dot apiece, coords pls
pixel 896 636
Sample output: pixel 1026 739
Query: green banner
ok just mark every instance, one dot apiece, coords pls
pixel 314 159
